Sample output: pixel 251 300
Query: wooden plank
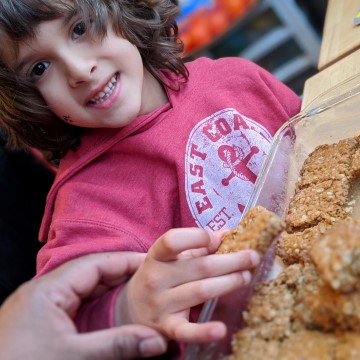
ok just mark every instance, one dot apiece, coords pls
pixel 341 71
pixel 341 36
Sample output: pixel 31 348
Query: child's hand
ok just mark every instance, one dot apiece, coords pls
pixel 178 273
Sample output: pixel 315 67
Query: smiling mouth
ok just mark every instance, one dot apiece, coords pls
pixel 102 95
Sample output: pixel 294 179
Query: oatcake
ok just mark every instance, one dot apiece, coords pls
pixel 323 196
pixel 312 309
pixel 255 231
pixel 323 202
pixel 337 256
pixel 295 248
pixel 327 162
pixel 298 316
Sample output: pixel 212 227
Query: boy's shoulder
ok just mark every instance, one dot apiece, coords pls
pixel 229 64
pixel 224 69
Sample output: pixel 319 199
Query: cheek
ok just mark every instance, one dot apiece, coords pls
pixel 127 52
pixel 57 100
pixel 54 91
pixel 50 95
pixel 55 104
pixel 59 107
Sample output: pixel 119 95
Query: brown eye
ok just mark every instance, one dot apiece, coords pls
pixel 39 69
pixel 79 30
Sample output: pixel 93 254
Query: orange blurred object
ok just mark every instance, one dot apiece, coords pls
pixel 200 31
pixel 188 42
pixel 218 21
pixel 235 8
pixel 202 26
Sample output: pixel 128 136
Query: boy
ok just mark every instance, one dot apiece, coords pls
pixel 145 143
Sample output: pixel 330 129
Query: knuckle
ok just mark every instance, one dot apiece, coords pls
pixel 156 304
pixel 167 242
pixel 201 291
pixel 167 246
pixel 172 329
pixel 152 282
pixel 206 266
pixel 125 347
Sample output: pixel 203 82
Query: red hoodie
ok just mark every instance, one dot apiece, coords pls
pixel 192 162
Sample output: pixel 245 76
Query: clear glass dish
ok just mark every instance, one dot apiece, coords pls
pixel 333 116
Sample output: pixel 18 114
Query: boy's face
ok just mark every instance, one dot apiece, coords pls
pixel 86 81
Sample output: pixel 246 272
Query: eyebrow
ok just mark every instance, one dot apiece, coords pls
pixel 69 16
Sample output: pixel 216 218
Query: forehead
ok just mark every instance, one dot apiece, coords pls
pixel 20 20
pixel 46 39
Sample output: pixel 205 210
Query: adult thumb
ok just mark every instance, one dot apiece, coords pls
pixel 121 343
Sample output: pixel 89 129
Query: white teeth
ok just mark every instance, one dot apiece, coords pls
pixel 105 93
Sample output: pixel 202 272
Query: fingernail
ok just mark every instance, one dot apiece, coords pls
pixel 152 346
pixel 255 258
pixel 246 276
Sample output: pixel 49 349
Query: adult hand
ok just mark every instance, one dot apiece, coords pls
pixel 180 271
pixel 36 320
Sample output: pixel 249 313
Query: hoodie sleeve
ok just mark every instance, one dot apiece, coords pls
pixel 98 314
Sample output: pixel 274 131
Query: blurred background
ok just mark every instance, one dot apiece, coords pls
pixel 24 184
pixel 282 36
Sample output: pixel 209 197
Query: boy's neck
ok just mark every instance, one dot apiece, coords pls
pixel 158 96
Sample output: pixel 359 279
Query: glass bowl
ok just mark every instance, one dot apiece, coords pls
pixel 333 116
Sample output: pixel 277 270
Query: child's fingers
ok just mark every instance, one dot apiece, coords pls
pixel 194 269
pixel 211 247
pixel 185 243
pixel 175 241
pixel 219 264
pixel 198 292
pixel 182 330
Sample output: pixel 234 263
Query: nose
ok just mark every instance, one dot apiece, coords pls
pixel 79 69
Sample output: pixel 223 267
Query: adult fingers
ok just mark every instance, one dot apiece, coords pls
pixel 78 278
pixel 122 343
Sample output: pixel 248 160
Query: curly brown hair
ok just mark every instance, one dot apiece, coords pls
pixel 150 25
